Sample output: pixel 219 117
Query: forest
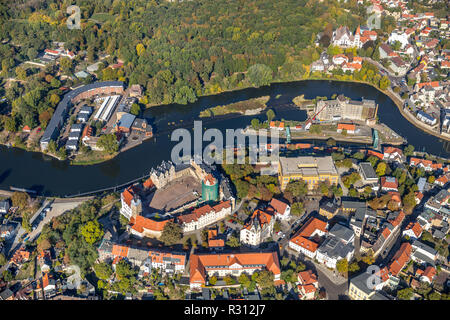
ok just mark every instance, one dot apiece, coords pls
pixel 177 51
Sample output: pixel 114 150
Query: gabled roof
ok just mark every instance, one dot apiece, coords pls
pixel 220 261
pixel 279 206
pixel 400 258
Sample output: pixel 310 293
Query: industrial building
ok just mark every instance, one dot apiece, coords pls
pixel 344 108
pixel 72 97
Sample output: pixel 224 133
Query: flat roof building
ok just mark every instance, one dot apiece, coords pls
pixel 312 170
pixel 367 173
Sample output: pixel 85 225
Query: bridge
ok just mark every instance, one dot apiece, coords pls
pixel 376 139
pixel 288 134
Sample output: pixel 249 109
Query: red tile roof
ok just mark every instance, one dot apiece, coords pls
pixel 415 227
pixel 198 263
pixel 279 206
pixel 140 223
pixel 400 258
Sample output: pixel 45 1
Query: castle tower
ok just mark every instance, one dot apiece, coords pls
pixel 210 188
pixel 136 206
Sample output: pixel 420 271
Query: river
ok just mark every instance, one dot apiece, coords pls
pixel 49 176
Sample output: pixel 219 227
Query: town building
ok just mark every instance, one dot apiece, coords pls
pixel 203 266
pixel 312 170
pixel 258 228
pixel 343 108
pixel 306 240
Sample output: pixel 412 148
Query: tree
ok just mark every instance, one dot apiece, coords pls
pixel 384 83
pixel 92 231
pixel 265 279
pixel 405 294
pixel 213 280
pixel 20 199
pixel 297 209
pixel 381 169
pixel 171 233
pixel 342 266
pixel 434 296
pixel 103 270
pixel 233 242
pixel 331 142
pixel 368 258
pixel 108 142
pixel 11 124
pixel 255 123
pixel 259 75
pixel 229 280
pixel 135 109
pixel 409 150
pixel 244 280
pixel 270 115
pixel 3 260
pixel 124 270
pixel 298 188
pixel 353 267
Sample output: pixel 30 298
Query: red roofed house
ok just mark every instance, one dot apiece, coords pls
pixel 141 226
pixel 400 259
pixel 427 165
pixel 203 266
pixel 26 129
pixel 214 242
pixel 307 238
pixel 389 183
pixel 20 256
pixel 282 209
pixel 428 274
pixel 258 228
pixel 393 154
pixel 413 230
pixel 442 180
pixel 203 216
pixel 308 285
pixel 350 128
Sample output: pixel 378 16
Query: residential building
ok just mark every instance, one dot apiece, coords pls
pixel 204 216
pixel 366 285
pixel 258 228
pixel 413 230
pixel 329 208
pixel 400 258
pixel 423 254
pixel 389 184
pixel 306 239
pixel 308 284
pixel 282 209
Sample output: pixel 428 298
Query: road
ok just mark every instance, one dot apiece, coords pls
pixel 57 209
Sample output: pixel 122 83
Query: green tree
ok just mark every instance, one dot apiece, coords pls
pixel 405 294
pixel 92 231
pixel 171 233
pixel 233 242
pixel 381 169
pixel 244 280
pixel 259 75
pixel 255 124
pixel 20 199
pixel 108 142
pixel 297 209
pixel 265 279
pixel 103 270
pixel 270 115
pixel 342 266
pixel 213 280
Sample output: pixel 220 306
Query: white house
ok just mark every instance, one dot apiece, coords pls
pixel 257 229
pixel 413 230
pixel 303 240
pixel 203 216
pixel 282 210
